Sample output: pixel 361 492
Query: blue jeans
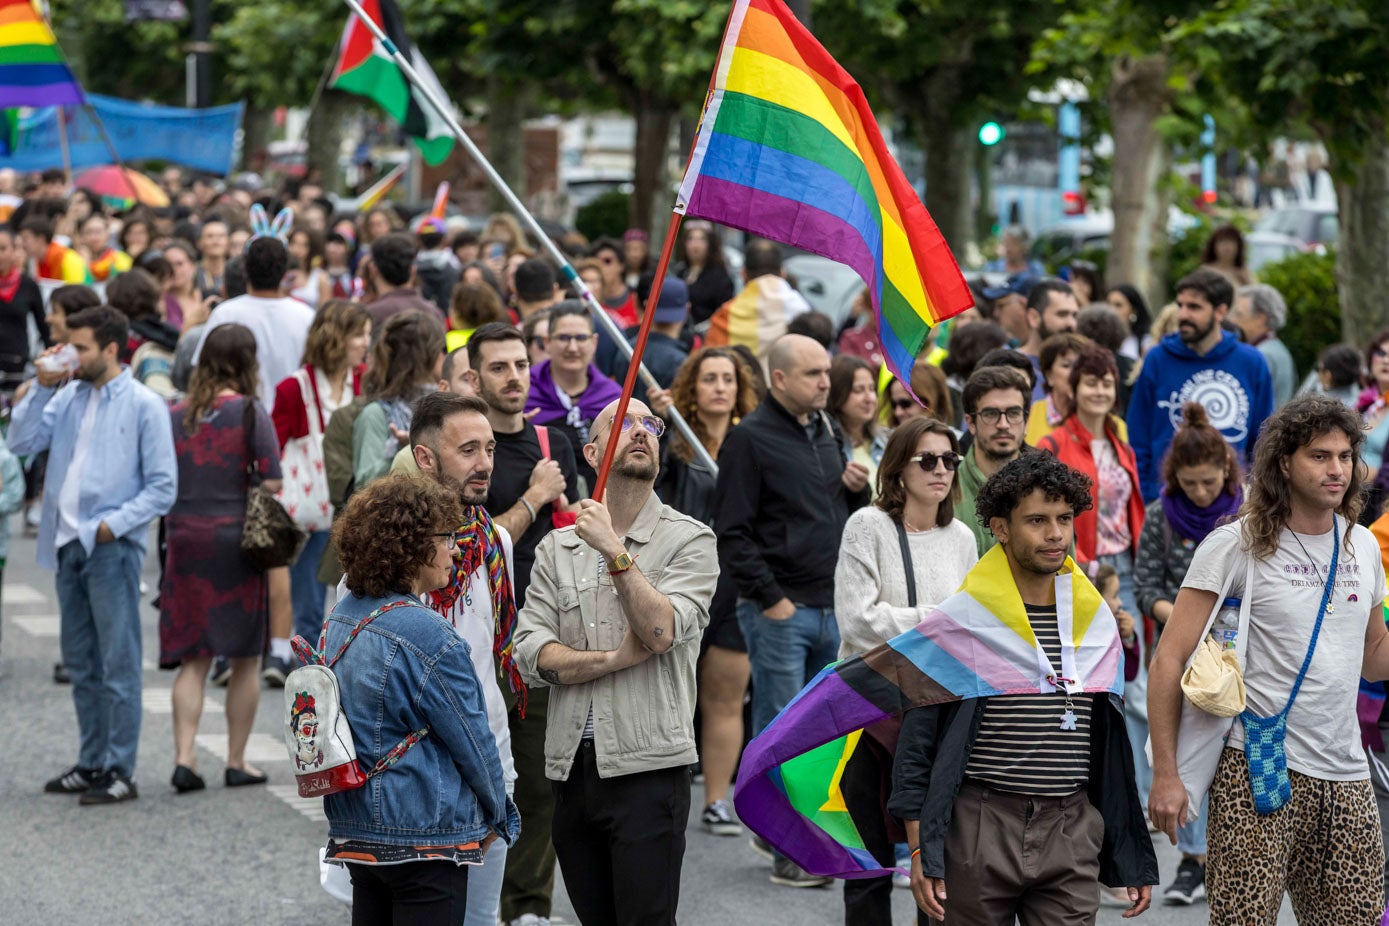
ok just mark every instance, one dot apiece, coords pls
pixel 306 593
pixel 785 655
pixel 1191 839
pixel 485 887
pixel 1136 691
pixel 99 603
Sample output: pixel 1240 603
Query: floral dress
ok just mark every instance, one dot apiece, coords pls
pixel 212 603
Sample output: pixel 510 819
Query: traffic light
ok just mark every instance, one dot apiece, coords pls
pixel 990 133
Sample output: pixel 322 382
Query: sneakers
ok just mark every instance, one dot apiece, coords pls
pixel 718 819
pixel 759 845
pixel 111 789
pixel 221 672
pixel 75 780
pixel 275 670
pixel 60 674
pixel 788 874
pixel 1189 885
pixel 531 919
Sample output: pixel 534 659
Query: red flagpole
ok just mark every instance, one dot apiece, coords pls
pixel 634 364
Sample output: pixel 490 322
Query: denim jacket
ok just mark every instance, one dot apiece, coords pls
pixel 407 670
pixel 131 474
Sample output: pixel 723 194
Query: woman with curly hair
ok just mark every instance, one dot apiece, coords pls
pixel 1312 585
pixel 410 835
pixel 212 603
pixel 305 402
pixel 713 390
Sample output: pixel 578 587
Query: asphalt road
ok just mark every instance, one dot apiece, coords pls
pixel 250 855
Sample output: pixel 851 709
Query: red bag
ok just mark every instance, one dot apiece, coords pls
pixel 557 518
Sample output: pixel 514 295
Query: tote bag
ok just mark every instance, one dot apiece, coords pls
pixel 1201 736
pixel 304 491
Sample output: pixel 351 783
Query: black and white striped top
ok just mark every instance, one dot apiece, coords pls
pixel 1021 746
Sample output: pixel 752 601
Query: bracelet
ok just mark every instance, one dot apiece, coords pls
pixel 529 507
pixel 916 852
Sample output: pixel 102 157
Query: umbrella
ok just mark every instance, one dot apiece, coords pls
pixel 121 187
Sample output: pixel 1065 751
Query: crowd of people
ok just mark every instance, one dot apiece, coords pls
pixel 432 412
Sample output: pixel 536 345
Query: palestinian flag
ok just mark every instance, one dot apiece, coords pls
pixel 365 68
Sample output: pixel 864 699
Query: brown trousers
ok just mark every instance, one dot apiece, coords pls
pixel 1036 859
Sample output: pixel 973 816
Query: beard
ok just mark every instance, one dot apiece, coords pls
pixel 1190 334
pixel 469 493
pixel 509 405
pixel 642 469
pixel 90 373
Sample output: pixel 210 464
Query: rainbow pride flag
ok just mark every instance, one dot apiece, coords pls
pixel 32 69
pixel 976 644
pixel 789 150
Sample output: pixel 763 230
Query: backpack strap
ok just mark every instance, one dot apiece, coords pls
pixel 352 634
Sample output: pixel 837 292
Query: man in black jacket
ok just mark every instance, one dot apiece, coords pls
pixel 1017 813
pixel 784 493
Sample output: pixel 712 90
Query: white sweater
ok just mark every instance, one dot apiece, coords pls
pixel 870 583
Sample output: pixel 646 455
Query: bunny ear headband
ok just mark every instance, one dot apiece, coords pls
pixel 262 227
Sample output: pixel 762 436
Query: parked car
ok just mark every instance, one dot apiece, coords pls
pixel 1263 247
pixel 1059 244
pixel 1312 225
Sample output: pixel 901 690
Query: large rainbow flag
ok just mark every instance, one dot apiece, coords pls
pixel 32 69
pixel 976 644
pixel 789 150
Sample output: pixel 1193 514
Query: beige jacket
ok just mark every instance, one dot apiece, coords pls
pixel 642 716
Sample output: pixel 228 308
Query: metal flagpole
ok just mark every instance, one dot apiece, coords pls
pixel 568 272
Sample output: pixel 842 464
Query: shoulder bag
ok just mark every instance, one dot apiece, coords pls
pixel 269 536
pixel 304 491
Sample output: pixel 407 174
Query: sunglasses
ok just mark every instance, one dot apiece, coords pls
pixel 903 404
pixel 928 461
pixel 654 425
pixel 609 259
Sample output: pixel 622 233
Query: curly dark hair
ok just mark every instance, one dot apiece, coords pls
pixel 384 537
pixel 1006 488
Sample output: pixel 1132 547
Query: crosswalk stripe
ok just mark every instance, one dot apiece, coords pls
pixel 161 701
pixel 45 625
pixel 310 807
pixel 19 593
pixel 260 747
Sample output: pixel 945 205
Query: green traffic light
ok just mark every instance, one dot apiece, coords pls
pixel 990 133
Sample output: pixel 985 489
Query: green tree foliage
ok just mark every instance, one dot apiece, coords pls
pixel 606 216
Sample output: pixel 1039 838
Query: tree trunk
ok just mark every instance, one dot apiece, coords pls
pixel 1362 257
pixel 506 142
pixel 1160 252
pixel 1137 96
pixel 324 133
pixel 949 168
pixel 651 195
pixel 256 124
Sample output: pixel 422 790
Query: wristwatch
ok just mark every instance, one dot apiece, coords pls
pixel 621 564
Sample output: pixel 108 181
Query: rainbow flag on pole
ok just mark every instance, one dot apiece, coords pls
pixel 32 69
pixel 789 150
pixel 976 644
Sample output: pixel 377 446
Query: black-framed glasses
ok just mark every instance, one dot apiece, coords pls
pixel 928 461
pixel 569 339
pixel 448 535
pixel 1014 414
pixel 538 340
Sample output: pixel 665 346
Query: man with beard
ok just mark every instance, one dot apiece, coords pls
pixel 111 471
pixel 1200 362
pixel 1051 309
pixel 452 443
pixel 612 622
pixel 534 475
pixel 996 404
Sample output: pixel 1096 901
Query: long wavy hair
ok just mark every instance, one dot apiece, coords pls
pixel 228 361
pixel 336 322
pixel 684 389
pixel 1268 501
pixel 403 356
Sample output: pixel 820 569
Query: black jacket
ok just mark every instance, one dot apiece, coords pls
pixel 780 506
pixel 933 752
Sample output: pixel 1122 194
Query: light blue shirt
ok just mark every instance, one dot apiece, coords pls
pixel 131 474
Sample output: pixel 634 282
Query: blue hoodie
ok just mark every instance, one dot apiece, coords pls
pixel 1231 381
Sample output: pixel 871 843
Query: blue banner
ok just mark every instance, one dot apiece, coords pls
pixel 199 139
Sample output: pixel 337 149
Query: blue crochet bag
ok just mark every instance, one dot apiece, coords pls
pixel 1264 736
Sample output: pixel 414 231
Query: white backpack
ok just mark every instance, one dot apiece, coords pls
pixel 317 735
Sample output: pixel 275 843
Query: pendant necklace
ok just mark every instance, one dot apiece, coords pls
pixel 1330 604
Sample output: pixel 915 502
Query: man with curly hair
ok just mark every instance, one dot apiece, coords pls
pixel 1019 802
pixel 1311 582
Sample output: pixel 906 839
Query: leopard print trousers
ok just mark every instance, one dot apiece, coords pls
pixel 1323 848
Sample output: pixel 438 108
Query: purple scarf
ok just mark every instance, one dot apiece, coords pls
pixel 545 395
pixel 1195 523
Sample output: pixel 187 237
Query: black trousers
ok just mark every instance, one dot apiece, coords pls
pixel 411 894
pixel 867 778
pixel 620 842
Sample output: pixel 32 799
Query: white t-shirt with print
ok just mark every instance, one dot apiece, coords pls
pixel 1323 738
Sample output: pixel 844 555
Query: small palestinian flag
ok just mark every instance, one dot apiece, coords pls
pixel 365 68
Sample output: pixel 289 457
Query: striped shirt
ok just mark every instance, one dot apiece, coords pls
pixel 1021 746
